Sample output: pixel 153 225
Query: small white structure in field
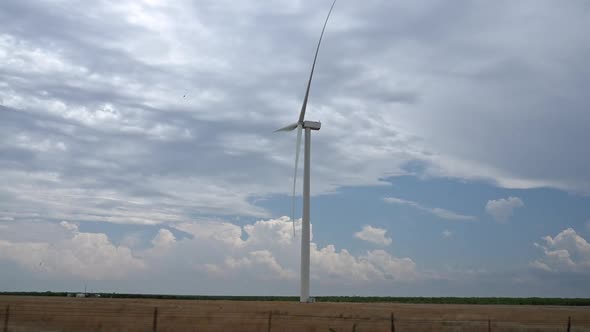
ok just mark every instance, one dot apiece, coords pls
pixel 80 295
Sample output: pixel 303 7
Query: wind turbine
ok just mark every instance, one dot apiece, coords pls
pixel 308 126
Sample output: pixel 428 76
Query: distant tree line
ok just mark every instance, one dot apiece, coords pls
pixel 371 299
pixel 460 300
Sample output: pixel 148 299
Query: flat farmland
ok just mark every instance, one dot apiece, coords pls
pixel 23 313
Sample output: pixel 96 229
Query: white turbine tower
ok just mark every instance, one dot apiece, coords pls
pixel 308 126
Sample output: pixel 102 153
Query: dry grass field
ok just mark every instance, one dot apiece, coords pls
pixel 101 314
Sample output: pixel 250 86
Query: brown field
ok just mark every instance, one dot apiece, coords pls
pixel 96 314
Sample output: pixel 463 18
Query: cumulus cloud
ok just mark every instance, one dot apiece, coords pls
pixel 271 247
pixel 502 209
pixel 566 252
pixel 375 265
pixel 90 256
pixel 373 235
pixel 164 238
pixel 441 213
pixel 69 226
pixel 215 250
pixel 259 263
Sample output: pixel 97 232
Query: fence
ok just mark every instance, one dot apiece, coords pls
pixel 138 317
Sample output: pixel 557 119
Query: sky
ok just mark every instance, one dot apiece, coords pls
pixel 137 151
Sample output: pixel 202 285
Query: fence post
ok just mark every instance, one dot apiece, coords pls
pixel 155 322
pixel 269 320
pixel 489 325
pixel 569 323
pixel 6 315
pixel 392 322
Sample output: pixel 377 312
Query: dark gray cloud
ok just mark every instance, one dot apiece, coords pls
pixel 153 102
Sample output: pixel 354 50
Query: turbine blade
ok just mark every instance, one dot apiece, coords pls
pixel 304 106
pixel 287 128
pixel 297 148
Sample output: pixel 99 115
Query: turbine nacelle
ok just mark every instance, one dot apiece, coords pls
pixel 313 125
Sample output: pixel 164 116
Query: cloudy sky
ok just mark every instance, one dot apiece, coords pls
pixel 137 151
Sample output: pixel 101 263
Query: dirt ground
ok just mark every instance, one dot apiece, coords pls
pixel 101 314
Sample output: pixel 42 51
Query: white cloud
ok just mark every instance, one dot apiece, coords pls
pixel 164 238
pixel 441 213
pixel 279 231
pixel 566 252
pixel 270 247
pixel 260 264
pixel 502 209
pixel 373 235
pixel 214 250
pixel 446 233
pixel 375 265
pixel 131 240
pixel 537 264
pixel 79 255
pixel 215 231
pixel 58 196
pixel 450 215
pixel 69 226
